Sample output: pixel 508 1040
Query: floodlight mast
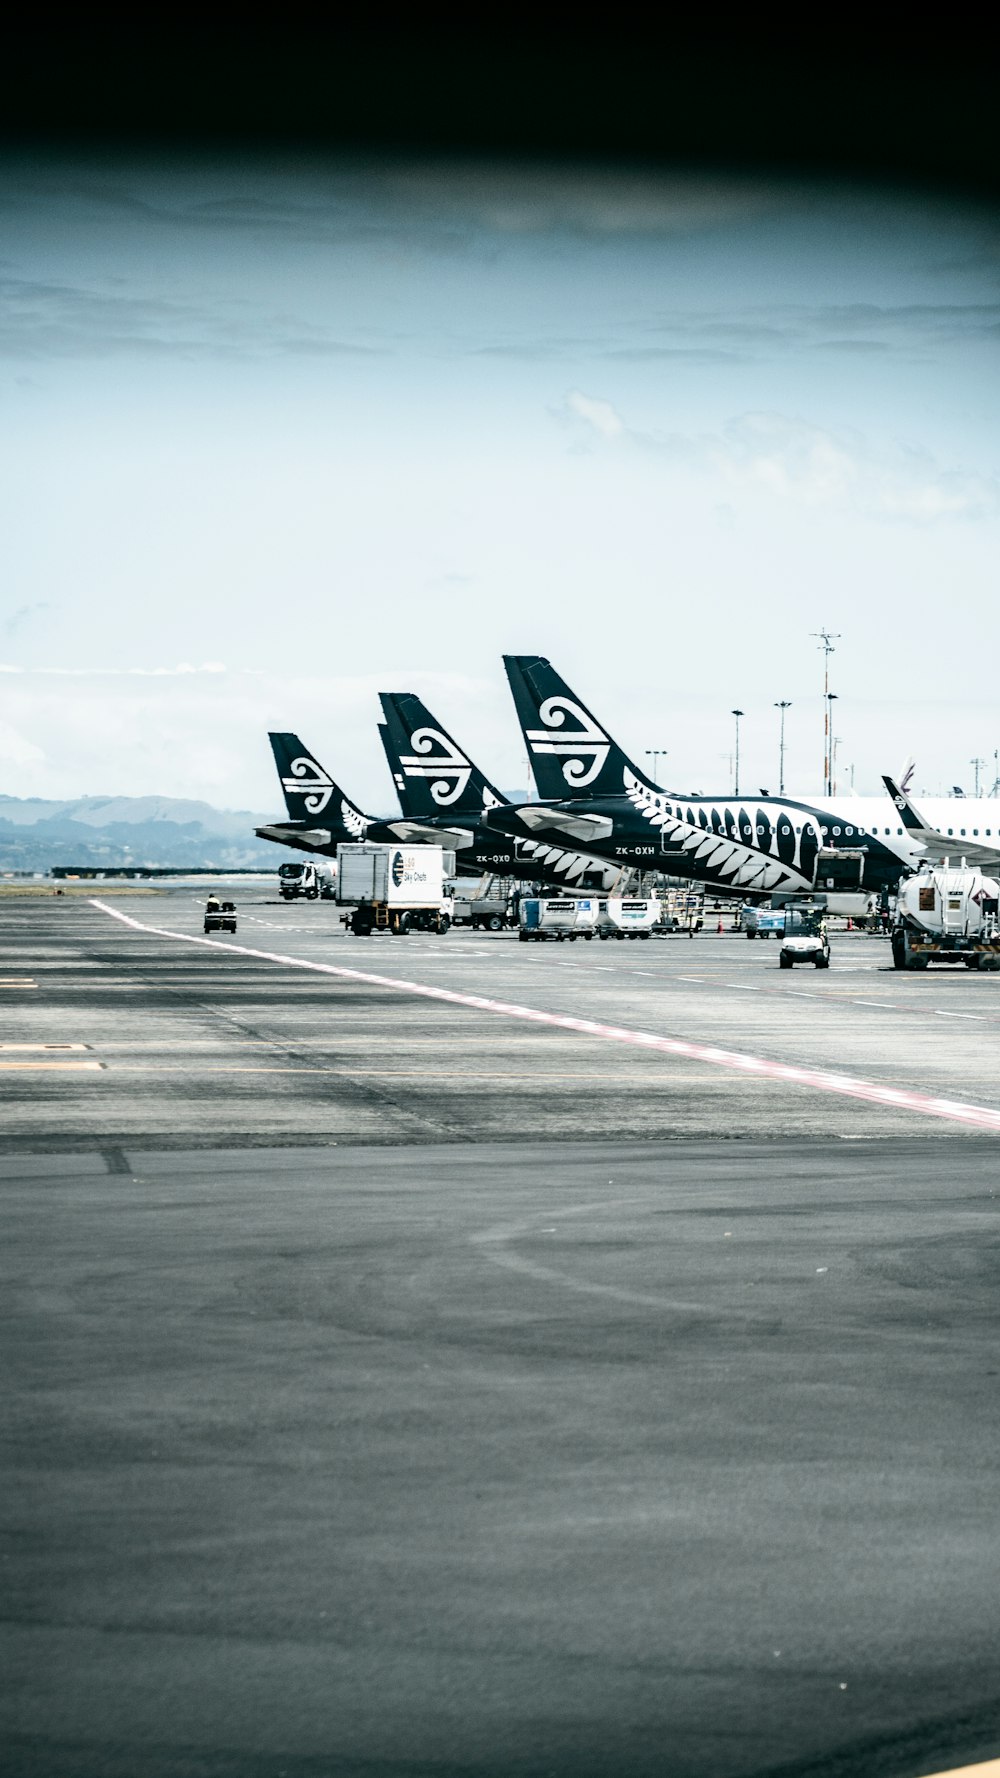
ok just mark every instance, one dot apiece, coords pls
pixel 827 640
pixel 783 705
pixel 736 774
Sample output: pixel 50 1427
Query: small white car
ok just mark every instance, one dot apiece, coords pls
pixel 804 939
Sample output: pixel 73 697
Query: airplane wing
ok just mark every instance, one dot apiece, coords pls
pixel 538 818
pixel 938 845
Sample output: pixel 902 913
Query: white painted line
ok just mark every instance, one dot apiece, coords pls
pixel 51 1067
pixel 744 987
pixel 887 1005
pixel 691 978
pixel 956 1015
pixel 982 1117
pixel 5 1048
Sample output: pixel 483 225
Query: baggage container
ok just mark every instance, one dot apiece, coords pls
pixel 558 917
pixel 628 916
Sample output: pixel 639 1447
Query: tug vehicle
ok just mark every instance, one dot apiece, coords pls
pixel 804 938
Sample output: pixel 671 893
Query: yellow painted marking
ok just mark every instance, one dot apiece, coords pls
pixel 442 1073
pixel 65 1067
pixel 989 1768
pixel 16 982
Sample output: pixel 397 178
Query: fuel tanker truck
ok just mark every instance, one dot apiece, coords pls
pixel 947 916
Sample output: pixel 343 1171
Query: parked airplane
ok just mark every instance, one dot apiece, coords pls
pixel 446 811
pixel 321 816
pixel 440 785
pixel 951 826
pixel 596 796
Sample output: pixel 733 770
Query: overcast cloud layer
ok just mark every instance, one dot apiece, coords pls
pixel 274 440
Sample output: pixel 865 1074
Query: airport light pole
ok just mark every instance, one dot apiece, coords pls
pixel 736 772
pixel 827 641
pixel 655 753
pixel 976 763
pixel 783 705
pixel 831 699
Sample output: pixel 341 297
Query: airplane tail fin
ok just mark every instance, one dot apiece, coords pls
pixel 571 754
pixel 912 821
pixel 431 773
pixel 311 795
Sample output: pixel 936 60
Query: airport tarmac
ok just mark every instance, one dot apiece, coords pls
pixel 566 1374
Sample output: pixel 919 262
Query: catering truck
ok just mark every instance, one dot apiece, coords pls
pixel 946 916
pixel 396 889
pixel 312 879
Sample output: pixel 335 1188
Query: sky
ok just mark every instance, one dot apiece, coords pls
pixel 275 436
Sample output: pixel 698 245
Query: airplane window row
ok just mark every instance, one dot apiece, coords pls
pixel 849 831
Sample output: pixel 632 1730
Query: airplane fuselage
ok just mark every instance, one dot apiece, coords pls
pixel 740 844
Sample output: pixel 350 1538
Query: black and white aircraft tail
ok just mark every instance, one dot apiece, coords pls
pixel 311 796
pixel 571 754
pixel 432 775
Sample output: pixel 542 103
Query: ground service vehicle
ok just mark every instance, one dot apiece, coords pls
pixel 804 938
pixel 628 917
pixel 550 917
pixel 947 916
pixel 312 879
pixel 764 922
pixel 395 888
pixel 482 912
pixel 221 918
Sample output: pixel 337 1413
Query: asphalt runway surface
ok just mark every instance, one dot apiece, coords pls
pixel 412 1385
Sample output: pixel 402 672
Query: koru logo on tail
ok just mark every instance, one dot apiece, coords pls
pixel 583 750
pixel 309 780
pixel 437 758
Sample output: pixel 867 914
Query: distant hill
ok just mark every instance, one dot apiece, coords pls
pixel 113 830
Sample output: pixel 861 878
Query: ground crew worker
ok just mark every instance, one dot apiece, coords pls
pixel 213 904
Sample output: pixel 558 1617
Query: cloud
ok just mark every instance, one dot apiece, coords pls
pixel 816 467
pixel 22 616
pixel 16 749
pixel 59 320
pixel 183 670
pixel 756 333
pixel 795 460
pixel 600 415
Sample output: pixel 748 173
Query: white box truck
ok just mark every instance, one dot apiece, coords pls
pixel 396 889
pixel 946 916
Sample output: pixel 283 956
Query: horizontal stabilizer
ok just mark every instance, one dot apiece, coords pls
pixel 542 818
pixel 300 838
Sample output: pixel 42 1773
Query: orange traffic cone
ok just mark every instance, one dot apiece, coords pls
pixel 719 928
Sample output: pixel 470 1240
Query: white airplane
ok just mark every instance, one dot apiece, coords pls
pixel 952 827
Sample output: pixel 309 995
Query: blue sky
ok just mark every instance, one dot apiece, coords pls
pixel 273 439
